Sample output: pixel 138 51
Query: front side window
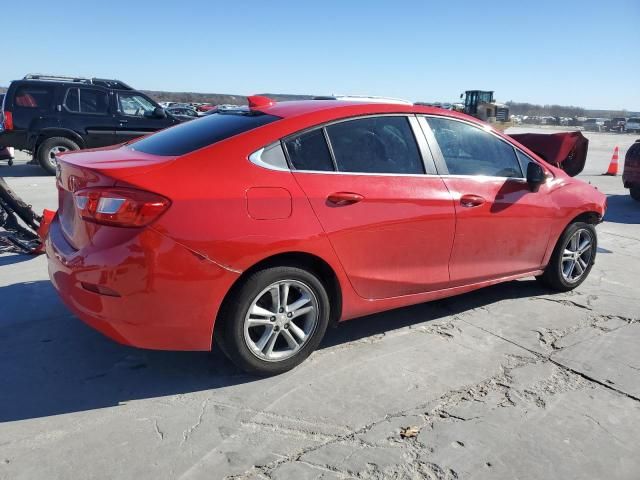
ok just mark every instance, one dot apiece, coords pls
pixel 134 105
pixel 524 160
pixel 33 96
pixel 375 145
pixel 469 150
pixel 309 151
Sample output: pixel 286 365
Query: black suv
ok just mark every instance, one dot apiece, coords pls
pixel 46 115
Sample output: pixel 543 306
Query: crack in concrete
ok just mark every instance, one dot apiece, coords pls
pixel 555 362
pixel 279 416
pixel 594 380
pixel 288 430
pixel 564 301
pixel 159 432
pixel 445 330
pixel 187 433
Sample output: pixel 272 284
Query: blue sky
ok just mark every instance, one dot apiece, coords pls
pixel 565 52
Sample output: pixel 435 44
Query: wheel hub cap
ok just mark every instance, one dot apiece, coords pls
pixel 577 255
pixel 280 320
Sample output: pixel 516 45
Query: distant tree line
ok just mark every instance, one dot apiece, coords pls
pixel 215 98
pixel 533 110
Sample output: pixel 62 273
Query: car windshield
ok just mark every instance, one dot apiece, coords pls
pixel 193 135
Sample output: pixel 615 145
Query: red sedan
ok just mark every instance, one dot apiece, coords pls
pixel 260 227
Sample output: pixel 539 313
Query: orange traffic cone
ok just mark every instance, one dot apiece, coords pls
pixel 613 166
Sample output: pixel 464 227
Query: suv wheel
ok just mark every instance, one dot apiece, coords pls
pixel 48 150
pixel 572 258
pixel 274 321
pixel 635 193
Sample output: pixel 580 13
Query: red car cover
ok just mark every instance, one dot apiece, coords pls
pixel 565 150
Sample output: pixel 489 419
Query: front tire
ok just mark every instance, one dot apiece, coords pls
pixel 274 320
pixel 49 148
pixel 572 258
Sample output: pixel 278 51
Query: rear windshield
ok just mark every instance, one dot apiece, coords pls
pixel 195 134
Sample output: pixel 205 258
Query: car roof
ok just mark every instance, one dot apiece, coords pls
pixel 345 108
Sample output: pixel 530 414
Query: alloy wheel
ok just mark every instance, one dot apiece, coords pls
pixel 280 320
pixel 577 255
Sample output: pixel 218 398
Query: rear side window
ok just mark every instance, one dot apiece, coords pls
pixel 86 100
pixel 468 150
pixel 190 136
pixel 309 151
pixel 33 96
pixel 375 145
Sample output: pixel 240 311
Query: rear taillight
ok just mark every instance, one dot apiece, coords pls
pixel 120 207
pixel 7 120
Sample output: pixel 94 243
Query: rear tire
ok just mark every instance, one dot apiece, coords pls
pixel 567 267
pixel 274 320
pixel 635 193
pixel 51 147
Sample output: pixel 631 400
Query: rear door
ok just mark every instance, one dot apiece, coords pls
pixel 87 110
pixel 135 116
pixel 502 227
pixel 372 185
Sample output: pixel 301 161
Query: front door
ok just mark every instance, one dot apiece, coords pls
pixel 391 225
pixel 502 227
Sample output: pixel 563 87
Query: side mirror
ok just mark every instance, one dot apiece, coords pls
pixel 535 176
pixel 159 112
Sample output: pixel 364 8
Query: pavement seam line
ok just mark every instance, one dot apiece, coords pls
pixel 557 363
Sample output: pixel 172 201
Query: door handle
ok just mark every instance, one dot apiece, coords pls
pixel 341 199
pixel 123 121
pixel 471 200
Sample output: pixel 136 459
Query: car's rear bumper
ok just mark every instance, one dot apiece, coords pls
pixel 167 296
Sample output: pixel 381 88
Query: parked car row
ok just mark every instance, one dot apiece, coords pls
pixel 198 107
pixel 615 124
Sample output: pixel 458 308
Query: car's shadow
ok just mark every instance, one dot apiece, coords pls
pixel 622 209
pixel 51 363
pixel 22 170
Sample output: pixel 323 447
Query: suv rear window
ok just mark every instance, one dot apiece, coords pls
pixel 33 96
pixel 195 134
